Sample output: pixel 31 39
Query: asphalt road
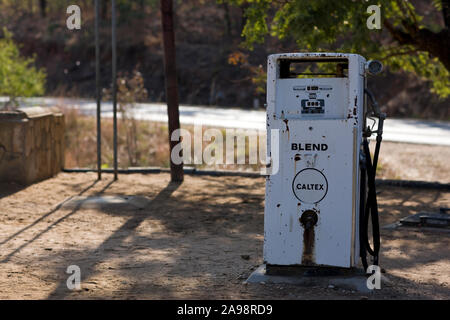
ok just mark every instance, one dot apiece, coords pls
pixel 395 130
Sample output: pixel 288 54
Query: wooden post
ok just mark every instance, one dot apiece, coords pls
pixel 176 171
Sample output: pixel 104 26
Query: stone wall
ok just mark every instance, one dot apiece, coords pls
pixel 31 144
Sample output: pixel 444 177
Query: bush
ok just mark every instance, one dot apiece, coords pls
pixel 18 76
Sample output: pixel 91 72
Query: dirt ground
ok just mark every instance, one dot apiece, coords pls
pixel 197 240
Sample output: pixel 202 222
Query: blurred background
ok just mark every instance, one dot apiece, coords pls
pixel 222 47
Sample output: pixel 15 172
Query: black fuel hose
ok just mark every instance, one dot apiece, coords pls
pixel 368 196
pixel 369 208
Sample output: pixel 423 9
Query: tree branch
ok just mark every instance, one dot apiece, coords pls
pixel 399 53
pixel 437 44
pixel 398 35
pixel 446 12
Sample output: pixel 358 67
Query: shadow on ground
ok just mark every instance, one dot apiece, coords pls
pixel 200 239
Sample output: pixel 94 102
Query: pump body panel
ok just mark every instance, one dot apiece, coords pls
pixel 312 193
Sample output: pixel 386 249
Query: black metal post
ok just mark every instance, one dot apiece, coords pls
pixel 98 92
pixel 114 81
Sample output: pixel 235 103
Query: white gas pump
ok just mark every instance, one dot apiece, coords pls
pixel 319 200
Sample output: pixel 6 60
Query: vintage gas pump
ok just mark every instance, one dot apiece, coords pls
pixel 320 198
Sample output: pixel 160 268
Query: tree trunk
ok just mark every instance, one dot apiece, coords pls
pixel 43 7
pixel 446 12
pixel 176 171
pixel 104 6
pixel 227 19
pixel 243 8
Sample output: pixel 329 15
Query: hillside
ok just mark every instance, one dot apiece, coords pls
pixel 207 34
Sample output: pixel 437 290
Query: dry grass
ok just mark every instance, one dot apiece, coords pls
pixel 81 143
pixel 397 160
pixel 152 148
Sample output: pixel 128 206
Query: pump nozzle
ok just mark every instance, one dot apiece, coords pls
pixel 374 67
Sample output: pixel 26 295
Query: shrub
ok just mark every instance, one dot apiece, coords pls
pixel 18 76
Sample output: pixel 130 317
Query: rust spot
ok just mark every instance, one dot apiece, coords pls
pixel 354 111
pixel 297 157
pixel 278 205
pixel 299 204
pixel 286 121
pixel 308 220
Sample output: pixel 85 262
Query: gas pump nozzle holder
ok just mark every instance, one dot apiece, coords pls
pixel 316 210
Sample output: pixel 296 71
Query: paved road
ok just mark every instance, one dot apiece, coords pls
pixel 397 130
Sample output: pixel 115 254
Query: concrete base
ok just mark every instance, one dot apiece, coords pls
pixel 101 202
pixel 398 226
pixel 352 279
pixel 31 144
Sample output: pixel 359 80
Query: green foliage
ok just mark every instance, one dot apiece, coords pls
pixel 18 76
pixel 323 25
pixel 426 67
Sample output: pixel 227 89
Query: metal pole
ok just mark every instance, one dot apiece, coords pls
pixel 97 85
pixel 114 82
pixel 176 171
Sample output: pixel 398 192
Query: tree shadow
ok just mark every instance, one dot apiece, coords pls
pixel 194 249
pixel 55 209
pixel 114 240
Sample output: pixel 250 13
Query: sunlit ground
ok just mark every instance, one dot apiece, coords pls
pixel 200 239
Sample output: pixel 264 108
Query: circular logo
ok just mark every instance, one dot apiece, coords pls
pixel 310 185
